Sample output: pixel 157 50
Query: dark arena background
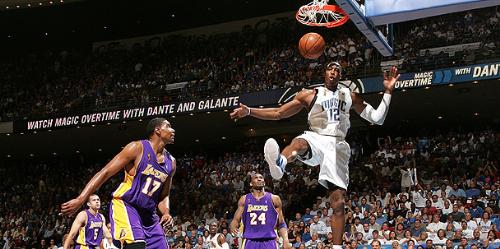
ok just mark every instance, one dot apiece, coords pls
pixel 81 79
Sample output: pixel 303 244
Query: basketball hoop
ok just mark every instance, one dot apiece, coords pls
pixel 319 13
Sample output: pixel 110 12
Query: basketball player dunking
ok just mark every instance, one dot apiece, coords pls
pixel 324 144
pixel 261 213
pixel 90 226
pixel 149 169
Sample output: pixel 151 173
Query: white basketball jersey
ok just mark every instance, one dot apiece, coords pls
pixel 214 243
pixel 337 105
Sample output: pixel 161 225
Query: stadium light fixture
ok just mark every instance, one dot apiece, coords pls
pixel 476 114
pixel 9 156
pixel 440 117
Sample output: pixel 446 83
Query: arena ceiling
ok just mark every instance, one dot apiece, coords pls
pixel 411 112
pixel 78 22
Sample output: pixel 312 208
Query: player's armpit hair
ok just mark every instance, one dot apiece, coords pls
pixel 135 245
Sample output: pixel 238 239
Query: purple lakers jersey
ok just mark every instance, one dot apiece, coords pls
pixel 91 234
pixel 142 191
pixel 259 217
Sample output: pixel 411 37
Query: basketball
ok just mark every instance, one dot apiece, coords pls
pixel 311 45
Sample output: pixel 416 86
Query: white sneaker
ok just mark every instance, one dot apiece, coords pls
pixel 271 154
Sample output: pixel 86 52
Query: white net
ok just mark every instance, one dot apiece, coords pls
pixel 318 13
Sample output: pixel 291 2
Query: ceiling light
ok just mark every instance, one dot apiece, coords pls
pixel 223 138
pixel 99 149
pixel 197 140
pixel 440 117
pixel 40 4
pixel 77 152
pixel 32 155
pixel 17 6
pixel 476 114
pixel 9 156
pixel 53 153
pixel 8 134
pixel 7 7
pixel 51 2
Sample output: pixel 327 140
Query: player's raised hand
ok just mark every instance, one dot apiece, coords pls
pixel 240 112
pixel 166 221
pixel 71 207
pixel 390 78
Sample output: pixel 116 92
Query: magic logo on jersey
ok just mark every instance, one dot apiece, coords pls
pixel 150 170
pixel 333 107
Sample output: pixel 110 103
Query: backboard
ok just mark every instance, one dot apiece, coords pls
pixel 368 17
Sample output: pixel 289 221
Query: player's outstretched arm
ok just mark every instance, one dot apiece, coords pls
pixel 366 111
pixel 233 227
pixel 283 230
pixel 285 111
pixel 127 155
pixel 77 223
pixel 166 219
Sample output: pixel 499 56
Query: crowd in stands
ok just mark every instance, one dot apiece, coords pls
pixel 448 196
pixel 258 58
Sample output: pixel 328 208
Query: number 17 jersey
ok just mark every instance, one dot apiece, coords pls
pixel 259 218
pixel 142 191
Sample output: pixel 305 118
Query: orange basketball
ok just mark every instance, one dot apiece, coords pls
pixel 311 45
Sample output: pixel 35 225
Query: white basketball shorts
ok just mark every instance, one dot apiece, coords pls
pixel 331 155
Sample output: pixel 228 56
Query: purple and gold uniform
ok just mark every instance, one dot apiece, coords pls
pixel 90 236
pixel 260 219
pixel 133 208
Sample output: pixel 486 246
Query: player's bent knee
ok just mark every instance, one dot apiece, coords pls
pixel 338 208
pixel 135 245
pixel 300 145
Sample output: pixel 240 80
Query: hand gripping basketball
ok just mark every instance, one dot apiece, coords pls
pixel 318 118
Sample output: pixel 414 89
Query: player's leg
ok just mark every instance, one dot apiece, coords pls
pixel 126 225
pixel 337 220
pixel 334 175
pixel 277 161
